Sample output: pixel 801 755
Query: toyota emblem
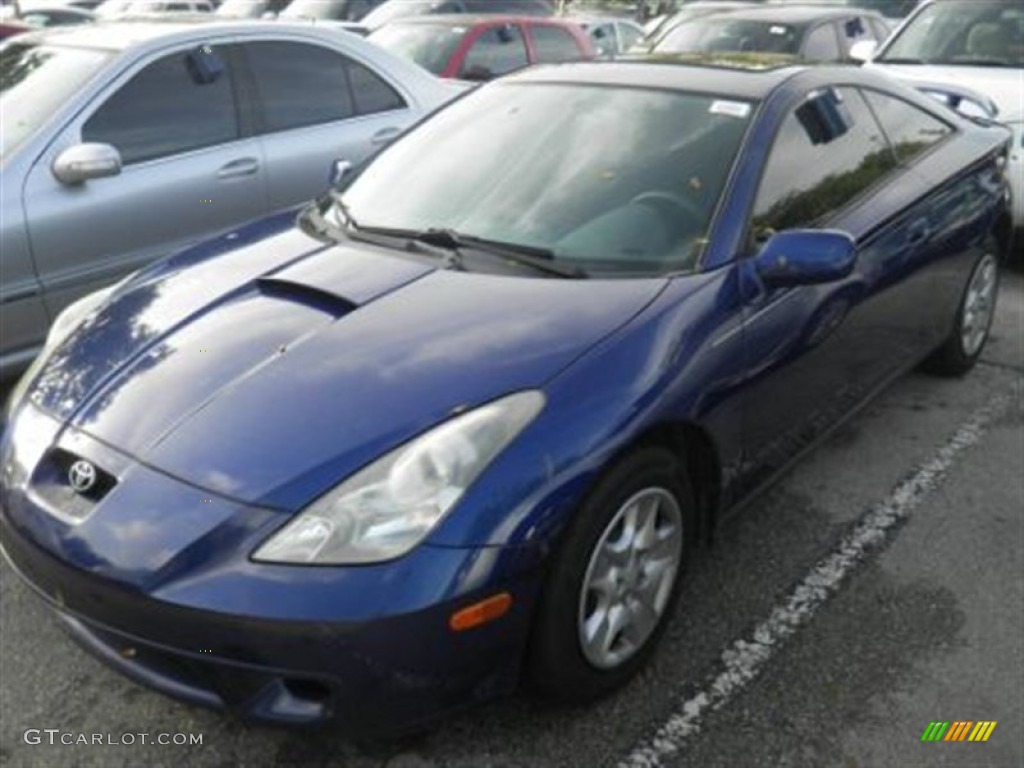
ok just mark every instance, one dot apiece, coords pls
pixel 82 476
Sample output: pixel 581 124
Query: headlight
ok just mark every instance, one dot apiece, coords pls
pixel 390 506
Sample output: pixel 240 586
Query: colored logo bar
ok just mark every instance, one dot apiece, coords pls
pixel 958 730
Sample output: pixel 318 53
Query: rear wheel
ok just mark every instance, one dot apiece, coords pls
pixel 610 592
pixel 963 347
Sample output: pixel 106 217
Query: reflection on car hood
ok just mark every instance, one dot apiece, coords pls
pixel 1001 84
pixel 282 364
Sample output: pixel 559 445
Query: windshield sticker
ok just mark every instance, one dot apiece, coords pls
pixel 777 30
pixel 731 108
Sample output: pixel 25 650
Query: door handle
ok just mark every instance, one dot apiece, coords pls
pixel 245 166
pixel 384 135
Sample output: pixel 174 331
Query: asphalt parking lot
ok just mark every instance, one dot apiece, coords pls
pixel 877 588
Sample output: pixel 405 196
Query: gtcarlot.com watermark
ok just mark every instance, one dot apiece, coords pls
pixel 57 736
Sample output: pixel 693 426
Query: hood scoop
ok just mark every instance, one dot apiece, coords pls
pixel 303 293
pixel 344 277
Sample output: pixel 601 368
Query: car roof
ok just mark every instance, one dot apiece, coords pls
pixel 725 75
pixel 122 34
pixel 793 14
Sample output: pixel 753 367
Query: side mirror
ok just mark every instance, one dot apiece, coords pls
pixel 805 257
pixel 83 162
pixel 339 170
pixel 863 50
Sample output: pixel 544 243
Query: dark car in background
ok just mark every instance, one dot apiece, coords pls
pixel 481 48
pixel 811 33
pixel 392 10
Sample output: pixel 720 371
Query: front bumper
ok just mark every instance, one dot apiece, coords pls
pixel 377 677
pixel 166 594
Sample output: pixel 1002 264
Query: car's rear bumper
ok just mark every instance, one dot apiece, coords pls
pixel 383 676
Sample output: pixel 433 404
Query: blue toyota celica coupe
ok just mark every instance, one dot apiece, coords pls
pixel 463 422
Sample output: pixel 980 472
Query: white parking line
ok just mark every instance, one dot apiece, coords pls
pixel 743 660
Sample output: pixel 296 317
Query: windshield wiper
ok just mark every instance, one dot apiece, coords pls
pixel 454 242
pixel 900 60
pixel 540 259
pixel 447 241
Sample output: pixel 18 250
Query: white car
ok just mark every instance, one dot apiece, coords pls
pixel 112 9
pixel 976 45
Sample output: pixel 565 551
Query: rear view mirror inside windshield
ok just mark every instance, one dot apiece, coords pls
pixel 204 65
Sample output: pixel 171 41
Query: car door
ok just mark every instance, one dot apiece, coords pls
pixel 815 352
pixel 188 171
pixel 317 106
pixel 22 313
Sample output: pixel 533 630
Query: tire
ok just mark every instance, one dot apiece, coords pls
pixel 974 314
pixel 561 665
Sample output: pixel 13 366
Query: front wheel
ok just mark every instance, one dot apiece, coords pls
pixel 963 347
pixel 610 592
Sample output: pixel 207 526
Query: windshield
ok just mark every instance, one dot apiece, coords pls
pixel 34 81
pixel 315 9
pixel 429 45
pixel 611 180
pixel 967 32
pixel 718 34
pixel 396 9
pixel 242 9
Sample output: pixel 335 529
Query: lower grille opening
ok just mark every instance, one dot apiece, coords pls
pixel 309 690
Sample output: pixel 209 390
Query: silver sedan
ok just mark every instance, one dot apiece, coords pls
pixel 125 141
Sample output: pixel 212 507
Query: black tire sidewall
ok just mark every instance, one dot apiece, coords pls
pixel 556 664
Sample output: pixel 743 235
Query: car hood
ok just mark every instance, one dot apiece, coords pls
pixel 266 367
pixel 1002 85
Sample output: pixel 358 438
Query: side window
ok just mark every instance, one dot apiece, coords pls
pixel 630 36
pixel 299 84
pixel 370 92
pixel 496 52
pixel 821 44
pixel 553 44
pixel 828 151
pixel 911 131
pixel 167 108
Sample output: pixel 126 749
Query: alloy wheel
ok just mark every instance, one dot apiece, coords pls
pixel 630 577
